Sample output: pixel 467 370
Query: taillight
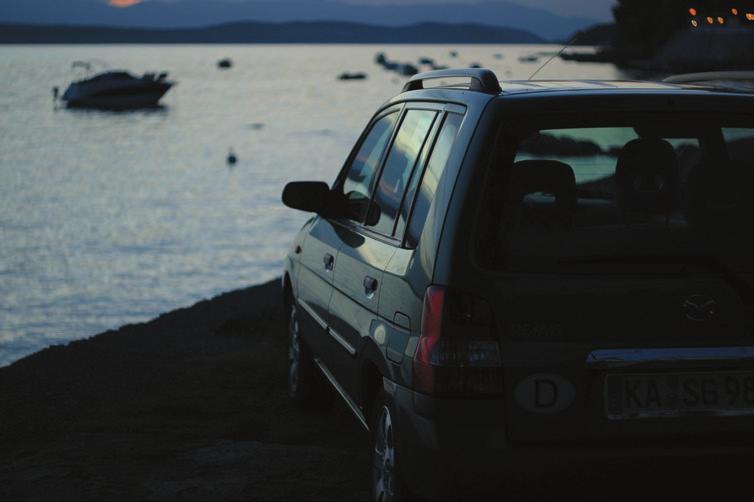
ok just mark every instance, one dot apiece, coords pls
pixel 457 353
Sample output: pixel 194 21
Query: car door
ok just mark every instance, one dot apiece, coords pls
pixel 369 242
pixel 317 255
pixel 320 253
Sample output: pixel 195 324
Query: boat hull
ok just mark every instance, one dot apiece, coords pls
pixel 147 95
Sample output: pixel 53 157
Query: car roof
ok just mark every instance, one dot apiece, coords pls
pixel 575 87
pixel 481 86
pixel 527 86
pixel 484 81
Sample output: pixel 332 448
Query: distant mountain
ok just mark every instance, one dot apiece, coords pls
pixel 195 13
pixel 252 32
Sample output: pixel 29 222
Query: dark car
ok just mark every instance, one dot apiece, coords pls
pixel 503 274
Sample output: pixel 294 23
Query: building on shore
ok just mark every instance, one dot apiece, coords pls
pixel 681 35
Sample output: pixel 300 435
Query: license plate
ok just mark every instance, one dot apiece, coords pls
pixel 679 394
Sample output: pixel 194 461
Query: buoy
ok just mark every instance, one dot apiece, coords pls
pixel 232 159
pixel 55 93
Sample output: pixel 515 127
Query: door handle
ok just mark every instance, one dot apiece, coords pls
pixel 329 261
pixel 370 286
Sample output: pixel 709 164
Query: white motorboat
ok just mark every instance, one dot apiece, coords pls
pixel 118 90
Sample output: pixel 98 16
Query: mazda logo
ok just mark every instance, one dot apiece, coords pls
pixel 699 308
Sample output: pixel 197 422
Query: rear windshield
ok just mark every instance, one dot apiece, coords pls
pixel 665 192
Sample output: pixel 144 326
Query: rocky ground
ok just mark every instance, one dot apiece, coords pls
pixel 192 405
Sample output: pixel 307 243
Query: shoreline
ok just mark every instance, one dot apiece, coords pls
pixel 191 404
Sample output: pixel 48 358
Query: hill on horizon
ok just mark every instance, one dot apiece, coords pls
pixel 254 32
pixel 200 13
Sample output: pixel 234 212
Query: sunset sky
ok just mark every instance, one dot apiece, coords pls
pixel 123 3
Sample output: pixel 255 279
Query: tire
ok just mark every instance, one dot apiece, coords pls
pixel 387 479
pixel 306 385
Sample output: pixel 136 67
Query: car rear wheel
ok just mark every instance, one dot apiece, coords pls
pixel 387 481
pixel 306 386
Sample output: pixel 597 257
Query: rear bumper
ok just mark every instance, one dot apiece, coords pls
pixel 452 448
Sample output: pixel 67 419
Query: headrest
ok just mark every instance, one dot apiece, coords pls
pixel 720 194
pixel 547 176
pixel 647 177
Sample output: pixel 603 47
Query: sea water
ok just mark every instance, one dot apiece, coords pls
pixel 112 218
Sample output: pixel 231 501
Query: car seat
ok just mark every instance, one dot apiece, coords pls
pixel 542 196
pixel 720 204
pixel 647 179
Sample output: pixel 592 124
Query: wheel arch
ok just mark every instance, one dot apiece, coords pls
pixel 372 371
pixel 288 297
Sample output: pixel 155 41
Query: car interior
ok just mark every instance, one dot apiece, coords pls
pixel 591 193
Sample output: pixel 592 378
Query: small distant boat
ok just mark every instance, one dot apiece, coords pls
pixel 407 69
pixel 453 54
pixel 475 65
pixel 531 58
pixel 225 64
pixel 427 61
pixel 588 57
pixel 352 76
pixel 116 90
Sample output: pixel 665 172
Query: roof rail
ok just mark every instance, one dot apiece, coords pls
pixel 711 76
pixel 482 79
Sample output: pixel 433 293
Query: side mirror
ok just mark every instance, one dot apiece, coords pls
pixel 313 197
pixel 307 196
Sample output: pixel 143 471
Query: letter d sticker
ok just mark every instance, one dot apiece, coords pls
pixel 544 393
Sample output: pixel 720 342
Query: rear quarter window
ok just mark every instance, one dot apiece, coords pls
pixel 431 178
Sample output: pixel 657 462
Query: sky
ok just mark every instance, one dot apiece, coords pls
pixel 596 9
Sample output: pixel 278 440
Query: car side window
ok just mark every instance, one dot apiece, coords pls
pixel 359 180
pixel 431 178
pixel 399 166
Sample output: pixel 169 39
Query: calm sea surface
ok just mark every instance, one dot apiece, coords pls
pixel 113 218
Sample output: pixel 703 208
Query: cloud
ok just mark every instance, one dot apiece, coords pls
pixel 122 3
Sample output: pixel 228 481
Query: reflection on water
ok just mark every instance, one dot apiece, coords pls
pixel 109 218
